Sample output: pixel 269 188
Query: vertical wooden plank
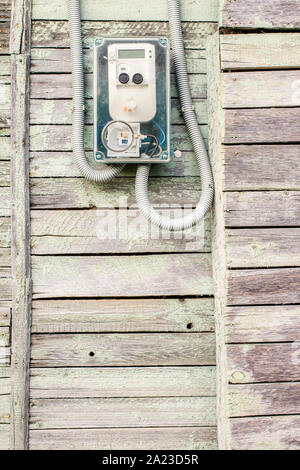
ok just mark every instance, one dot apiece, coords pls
pixel 216 131
pixel 20 334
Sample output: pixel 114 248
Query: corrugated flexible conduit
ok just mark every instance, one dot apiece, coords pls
pixel 143 171
pixel 110 171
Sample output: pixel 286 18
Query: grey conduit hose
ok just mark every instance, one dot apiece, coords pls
pixel 98 176
pixel 143 171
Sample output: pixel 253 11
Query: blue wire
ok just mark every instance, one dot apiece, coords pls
pixel 164 135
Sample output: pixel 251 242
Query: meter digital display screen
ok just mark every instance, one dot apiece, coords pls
pixel 131 54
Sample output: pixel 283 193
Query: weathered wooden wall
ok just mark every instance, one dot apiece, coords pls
pixel 5 232
pixel 123 344
pixel 254 136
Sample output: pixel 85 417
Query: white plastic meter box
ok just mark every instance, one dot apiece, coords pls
pixel 132 107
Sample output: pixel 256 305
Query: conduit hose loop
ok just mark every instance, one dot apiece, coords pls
pixel 98 176
pixel 190 118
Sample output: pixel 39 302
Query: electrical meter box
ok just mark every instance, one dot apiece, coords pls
pixel 132 102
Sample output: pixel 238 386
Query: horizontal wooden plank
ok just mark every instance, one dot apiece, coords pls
pixel 5 10
pixel 4 337
pixel 191 10
pixel 259 324
pixel 4 173
pixel 269 433
pixel 276 88
pixel 272 14
pixel 134 349
pixel 260 167
pixel 259 51
pixel 54 60
pixel 5 148
pixel 264 286
pixel 272 362
pixel 81 413
pixel 85 232
pixel 51 137
pixel 57 86
pixel 106 382
pixel 4 386
pixel 4 371
pixel 75 193
pixel 4 316
pixel 126 276
pixel 4 62
pixel 54 164
pixel 4 132
pixel 60 111
pixel 262 209
pixel 56 33
pixel 4 437
pixel 4 359
pixel 5 102
pixel 5 236
pixel 189 438
pixel 4 409
pixel 5 202
pixel 5 262
pixel 128 315
pixel 254 248
pixel 264 399
pixel 268 125
pixel 4 37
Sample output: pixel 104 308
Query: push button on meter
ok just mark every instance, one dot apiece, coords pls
pixel 123 78
pixel 137 78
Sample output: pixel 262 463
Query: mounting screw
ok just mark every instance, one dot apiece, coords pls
pixel 177 154
pixel 163 41
pixel 99 156
pixel 98 41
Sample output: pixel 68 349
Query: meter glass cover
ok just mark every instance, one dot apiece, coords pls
pixel 131 54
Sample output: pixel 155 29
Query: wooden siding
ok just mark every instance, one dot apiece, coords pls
pixel 132 333
pixel 256 227
pixel 5 230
